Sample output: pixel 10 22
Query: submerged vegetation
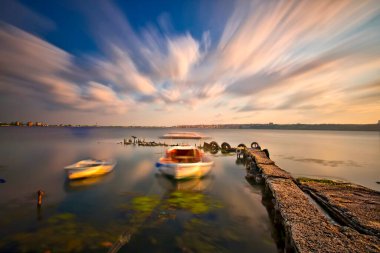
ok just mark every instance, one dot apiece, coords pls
pixel 65 232
pixel 200 236
pixel 193 202
pixel 322 180
pixel 59 233
pixel 145 204
pixel 196 203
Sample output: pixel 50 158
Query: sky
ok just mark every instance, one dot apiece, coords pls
pixel 174 62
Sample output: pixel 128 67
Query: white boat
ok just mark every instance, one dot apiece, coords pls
pixel 89 168
pixel 184 136
pixel 185 162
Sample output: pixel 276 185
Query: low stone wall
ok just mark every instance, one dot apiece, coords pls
pixel 351 204
pixel 307 228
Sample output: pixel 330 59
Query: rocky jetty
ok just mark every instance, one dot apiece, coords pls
pixel 351 204
pixel 306 226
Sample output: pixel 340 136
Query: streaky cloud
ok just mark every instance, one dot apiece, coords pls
pixel 31 67
pixel 311 57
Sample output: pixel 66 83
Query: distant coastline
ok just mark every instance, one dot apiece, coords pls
pixel 336 127
pixel 331 127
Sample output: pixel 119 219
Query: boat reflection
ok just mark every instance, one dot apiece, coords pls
pixel 180 195
pixel 86 183
pixel 194 184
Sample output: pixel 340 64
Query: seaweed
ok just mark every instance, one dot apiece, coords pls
pixel 59 233
pixel 323 181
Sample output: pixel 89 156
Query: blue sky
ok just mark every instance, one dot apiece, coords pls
pixel 190 62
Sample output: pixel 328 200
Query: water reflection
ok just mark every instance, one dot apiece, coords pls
pixel 86 183
pixel 202 236
pixel 323 162
pixel 277 230
pixel 150 214
pixel 195 184
pixel 187 195
pixel 81 132
pixel 239 161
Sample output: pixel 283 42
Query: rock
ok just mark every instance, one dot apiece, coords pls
pixel 354 205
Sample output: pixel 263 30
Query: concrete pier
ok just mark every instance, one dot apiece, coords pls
pixel 306 227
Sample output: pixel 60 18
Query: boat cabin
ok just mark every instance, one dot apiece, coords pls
pixel 183 155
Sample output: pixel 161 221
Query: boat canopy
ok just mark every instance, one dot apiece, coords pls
pixel 184 135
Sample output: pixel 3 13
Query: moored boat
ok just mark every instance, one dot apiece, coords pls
pixel 89 168
pixel 184 136
pixel 182 162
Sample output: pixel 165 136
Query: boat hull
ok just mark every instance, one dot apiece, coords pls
pixel 84 169
pixel 185 170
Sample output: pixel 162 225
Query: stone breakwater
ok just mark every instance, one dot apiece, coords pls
pixel 355 222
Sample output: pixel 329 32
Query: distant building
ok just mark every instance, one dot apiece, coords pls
pixel 18 123
pixel 29 124
pixel 38 124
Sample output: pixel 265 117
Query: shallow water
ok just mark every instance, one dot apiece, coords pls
pixel 141 211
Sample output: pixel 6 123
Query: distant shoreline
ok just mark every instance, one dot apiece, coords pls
pixel 323 127
pixel 327 127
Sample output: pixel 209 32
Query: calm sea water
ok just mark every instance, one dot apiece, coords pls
pixel 142 211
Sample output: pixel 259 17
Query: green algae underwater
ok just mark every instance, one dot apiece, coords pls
pixel 64 232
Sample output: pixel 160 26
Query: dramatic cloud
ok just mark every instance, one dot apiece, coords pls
pixel 298 57
pixel 31 67
pixel 122 72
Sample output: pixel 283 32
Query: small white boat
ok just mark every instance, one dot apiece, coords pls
pixel 182 162
pixel 89 168
pixel 184 136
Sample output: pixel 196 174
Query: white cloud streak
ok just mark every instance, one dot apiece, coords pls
pixel 31 67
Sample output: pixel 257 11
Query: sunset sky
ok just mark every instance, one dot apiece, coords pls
pixel 190 62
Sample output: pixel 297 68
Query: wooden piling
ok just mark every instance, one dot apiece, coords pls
pixel 40 194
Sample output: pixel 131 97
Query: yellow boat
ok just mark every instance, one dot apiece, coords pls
pixel 89 168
